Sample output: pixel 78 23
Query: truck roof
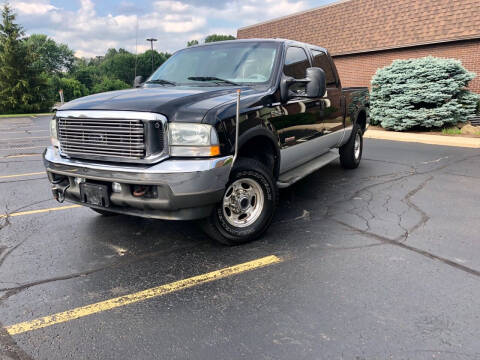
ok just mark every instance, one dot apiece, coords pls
pixel 277 40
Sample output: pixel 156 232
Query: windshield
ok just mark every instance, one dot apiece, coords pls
pixel 222 64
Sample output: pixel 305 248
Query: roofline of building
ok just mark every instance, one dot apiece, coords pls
pixel 395 47
pixel 294 14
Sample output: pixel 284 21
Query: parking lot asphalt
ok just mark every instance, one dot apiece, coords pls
pixel 382 262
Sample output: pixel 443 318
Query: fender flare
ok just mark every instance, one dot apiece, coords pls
pixel 259 131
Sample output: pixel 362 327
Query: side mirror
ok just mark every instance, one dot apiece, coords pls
pixel 315 84
pixel 138 81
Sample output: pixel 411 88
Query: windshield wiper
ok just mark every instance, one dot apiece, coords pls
pixel 211 78
pixel 160 81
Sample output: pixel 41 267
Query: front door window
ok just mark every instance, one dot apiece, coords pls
pixel 296 64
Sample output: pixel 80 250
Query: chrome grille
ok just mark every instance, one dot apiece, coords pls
pixel 102 138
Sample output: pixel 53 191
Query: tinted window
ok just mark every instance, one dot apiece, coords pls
pixel 296 64
pixel 320 59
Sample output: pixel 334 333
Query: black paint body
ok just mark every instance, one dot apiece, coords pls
pixel 263 113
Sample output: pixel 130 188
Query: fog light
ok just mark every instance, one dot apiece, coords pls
pixel 116 187
pixel 79 180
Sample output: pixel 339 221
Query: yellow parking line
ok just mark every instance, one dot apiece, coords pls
pixel 31 212
pixel 20 175
pixel 23 148
pixel 19 156
pixel 28 137
pixel 139 296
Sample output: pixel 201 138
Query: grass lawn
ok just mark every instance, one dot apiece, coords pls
pixel 451 131
pixel 24 115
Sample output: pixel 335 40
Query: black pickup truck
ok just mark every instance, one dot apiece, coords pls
pixel 211 135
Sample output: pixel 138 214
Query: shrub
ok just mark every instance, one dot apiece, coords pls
pixel 422 93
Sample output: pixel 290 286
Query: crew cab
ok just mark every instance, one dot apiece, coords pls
pixel 211 136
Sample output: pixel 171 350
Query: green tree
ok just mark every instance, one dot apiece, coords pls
pixel 422 93
pixel 109 84
pixel 22 89
pixel 192 43
pixel 86 73
pixel 119 64
pixel 144 62
pixel 50 57
pixel 218 37
pixel 72 88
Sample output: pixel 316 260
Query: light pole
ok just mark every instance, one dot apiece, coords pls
pixel 151 44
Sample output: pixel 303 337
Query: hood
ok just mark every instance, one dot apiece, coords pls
pixel 186 104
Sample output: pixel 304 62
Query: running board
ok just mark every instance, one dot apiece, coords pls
pixel 292 176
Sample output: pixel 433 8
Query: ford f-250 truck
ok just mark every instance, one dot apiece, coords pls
pixel 211 135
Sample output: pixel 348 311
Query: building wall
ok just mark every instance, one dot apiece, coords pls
pixel 358 69
pixel 355 26
pixel 364 35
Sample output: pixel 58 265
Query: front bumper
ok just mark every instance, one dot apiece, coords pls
pixel 184 189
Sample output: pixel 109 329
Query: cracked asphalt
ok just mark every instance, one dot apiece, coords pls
pixel 382 262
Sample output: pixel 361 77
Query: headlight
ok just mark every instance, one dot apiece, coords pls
pixel 193 140
pixel 53 132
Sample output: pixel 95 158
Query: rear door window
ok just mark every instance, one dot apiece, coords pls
pixel 320 59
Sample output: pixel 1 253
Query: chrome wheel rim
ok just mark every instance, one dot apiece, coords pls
pixel 357 146
pixel 243 202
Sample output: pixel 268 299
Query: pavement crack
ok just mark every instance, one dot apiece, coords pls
pixel 5 220
pixel 435 161
pixel 10 291
pixel 403 245
pixel 9 348
pixel 462 175
pixel 387 162
pixel 423 215
pixel 359 247
pixel 10 250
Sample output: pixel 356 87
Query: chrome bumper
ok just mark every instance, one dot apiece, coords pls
pixel 187 189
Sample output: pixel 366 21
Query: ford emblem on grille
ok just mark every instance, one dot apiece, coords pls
pixel 96 137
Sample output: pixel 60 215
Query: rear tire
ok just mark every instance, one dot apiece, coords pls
pixel 351 152
pixel 247 207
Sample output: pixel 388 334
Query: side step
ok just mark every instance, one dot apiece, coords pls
pixel 292 176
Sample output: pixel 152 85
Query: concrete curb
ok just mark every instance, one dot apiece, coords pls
pixel 423 138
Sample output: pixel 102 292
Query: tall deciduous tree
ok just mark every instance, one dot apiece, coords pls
pixel 21 88
pixel 49 56
pixel 144 62
pixel 119 64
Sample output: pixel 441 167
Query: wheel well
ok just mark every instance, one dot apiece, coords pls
pixel 362 120
pixel 261 149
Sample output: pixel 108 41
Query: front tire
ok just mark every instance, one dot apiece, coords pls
pixel 247 206
pixel 351 152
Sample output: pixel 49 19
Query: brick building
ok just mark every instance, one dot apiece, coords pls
pixel 363 35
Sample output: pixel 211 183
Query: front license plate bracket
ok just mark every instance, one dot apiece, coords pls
pixel 95 194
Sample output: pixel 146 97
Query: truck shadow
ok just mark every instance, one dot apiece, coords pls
pixel 139 235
